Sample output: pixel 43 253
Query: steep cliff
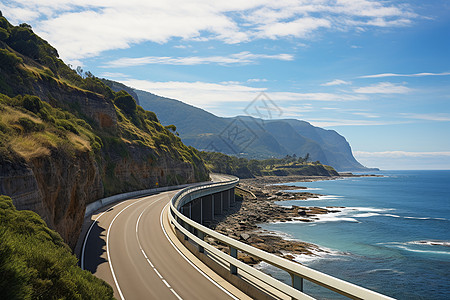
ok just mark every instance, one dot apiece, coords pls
pixel 76 140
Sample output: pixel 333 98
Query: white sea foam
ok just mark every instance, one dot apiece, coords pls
pixel 320 253
pixel 422 251
pixel 366 215
pixel 302 190
pixel 413 218
pixel 408 246
pixel 431 243
pixel 335 217
pixel 384 271
pixel 350 214
pixel 323 197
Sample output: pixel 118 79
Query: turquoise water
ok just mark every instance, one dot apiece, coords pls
pixel 393 236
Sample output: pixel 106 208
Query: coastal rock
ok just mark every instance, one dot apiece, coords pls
pixel 241 220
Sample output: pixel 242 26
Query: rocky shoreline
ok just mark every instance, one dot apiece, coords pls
pixel 258 206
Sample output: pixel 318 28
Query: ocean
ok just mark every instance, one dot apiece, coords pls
pixel 393 236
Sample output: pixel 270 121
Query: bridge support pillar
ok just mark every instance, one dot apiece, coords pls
pixel 218 203
pixel 233 253
pixel 207 208
pixel 186 210
pixel 297 282
pixel 201 236
pixel 196 210
pixel 226 200
pixel 232 199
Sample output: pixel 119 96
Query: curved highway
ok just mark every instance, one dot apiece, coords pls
pixel 128 247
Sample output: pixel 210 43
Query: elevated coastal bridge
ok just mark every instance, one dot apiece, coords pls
pixel 151 245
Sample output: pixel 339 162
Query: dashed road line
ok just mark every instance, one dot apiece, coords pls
pixel 148 260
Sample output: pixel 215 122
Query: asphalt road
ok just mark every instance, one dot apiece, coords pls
pixel 128 248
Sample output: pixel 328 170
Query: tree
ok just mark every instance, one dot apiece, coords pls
pixel 172 127
pixel 80 71
pixel 25 25
pixel 306 157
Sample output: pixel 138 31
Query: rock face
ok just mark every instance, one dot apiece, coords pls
pixel 93 105
pixel 57 187
pixel 143 169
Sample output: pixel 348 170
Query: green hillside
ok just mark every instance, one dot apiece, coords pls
pixel 110 124
pixel 245 168
pixel 35 263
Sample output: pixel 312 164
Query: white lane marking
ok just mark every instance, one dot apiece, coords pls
pixel 107 247
pixel 187 259
pixel 148 260
pixel 175 293
pixel 157 273
pixel 165 282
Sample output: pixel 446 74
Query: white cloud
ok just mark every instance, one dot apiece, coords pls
pixel 365 114
pixel 439 117
pixel 85 28
pixel 404 75
pixel 113 75
pixel 348 122
pixel 383 88
pixel 399 154
pixel 299 28
pixel 336 82
pixel 206 94
pixel 404 160
pixel 257 80
pixel 237 58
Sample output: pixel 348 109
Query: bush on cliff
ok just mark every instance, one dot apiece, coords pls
pixel 36 264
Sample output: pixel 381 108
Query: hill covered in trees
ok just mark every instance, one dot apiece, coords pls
pixel 244 168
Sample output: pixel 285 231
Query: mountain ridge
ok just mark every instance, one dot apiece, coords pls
pixel 264 138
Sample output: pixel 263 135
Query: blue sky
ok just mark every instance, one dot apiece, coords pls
pixel 378 72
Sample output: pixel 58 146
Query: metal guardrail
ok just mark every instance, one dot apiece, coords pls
pixel 297 271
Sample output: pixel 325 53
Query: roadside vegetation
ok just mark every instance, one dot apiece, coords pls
pixel 35 263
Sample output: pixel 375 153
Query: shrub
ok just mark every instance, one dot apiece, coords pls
pixel 23 40
pixel 8 60
pixel 4 34
pixel 36 264
pixel 30 126
pixel 125 102
pixel 67 125
pixel 32 103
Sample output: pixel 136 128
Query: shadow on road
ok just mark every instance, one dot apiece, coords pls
pixel 95 247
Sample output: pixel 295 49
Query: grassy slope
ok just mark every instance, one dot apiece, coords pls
pixel 26 61
pixel 31 128
pixel 36 264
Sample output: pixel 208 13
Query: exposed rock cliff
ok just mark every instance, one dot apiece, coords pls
pixel 76 140
pixel 57 187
